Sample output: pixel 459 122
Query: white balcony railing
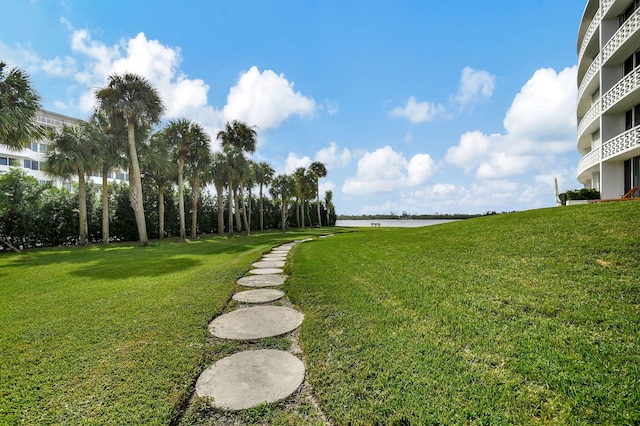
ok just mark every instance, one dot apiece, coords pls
pixel 629 83
pixel 591 30
pixel 605 5
pixel 589 160
pixel 627 29
pixel 621 143
pixel 589 117
pixel 588 76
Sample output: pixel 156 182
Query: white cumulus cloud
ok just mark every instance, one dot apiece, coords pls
pixel 417 112
pixel 474 85
pixel 332 158
pixel 385 170
pixel 265 99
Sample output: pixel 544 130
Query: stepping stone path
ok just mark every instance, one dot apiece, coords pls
pixel 249 378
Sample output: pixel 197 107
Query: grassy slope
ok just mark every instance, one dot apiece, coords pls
pixel 112 335
pixel 520 318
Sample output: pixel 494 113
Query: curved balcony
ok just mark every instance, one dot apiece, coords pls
pixel 588 85
pixel 589 119
pixel 618 40
pixel 630 83
pixel 588 164
pixel 588 36
pixel 621 144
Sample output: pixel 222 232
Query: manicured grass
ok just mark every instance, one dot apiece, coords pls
pixel 113 334
pixel 524 318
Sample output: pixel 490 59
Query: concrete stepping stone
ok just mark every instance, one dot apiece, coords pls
pixel 258 296
pixel 280 251
pixel 266 271
pixel 256 322
pixel 271 280
pixel 246 379
pixel 278 256
pixel 269 264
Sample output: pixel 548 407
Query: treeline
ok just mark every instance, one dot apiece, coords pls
pixel 36 215
pixel 405 216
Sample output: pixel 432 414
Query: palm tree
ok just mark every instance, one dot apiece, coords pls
pixel 236 162
pixel 241 137
pixel 318 170
pixel 263 174
pixel 157 162
pixel 110 146
pixel 198 171
pixel 186 137
pixel 328 197
pixel 247 181
pixel 302 186
pixel 283 187
pixel 71 153
pixel 19 103
pixel 219 175
pixel 134 99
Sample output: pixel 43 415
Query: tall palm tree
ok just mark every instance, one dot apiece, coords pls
pixel 71 153
pixel 328 202
pixel 134 99
pixel 19 103
pixel 110 148
pixel 198 171
pixel 236 162
pixel 219 172
pixel 157 162
pixel 247 182
pixel 301 178
pixel 187 138
pixel 263 174
pixel 318 170
pixel 242 137
pixel 283 188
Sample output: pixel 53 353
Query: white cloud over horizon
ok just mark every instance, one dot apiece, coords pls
pixel 473 87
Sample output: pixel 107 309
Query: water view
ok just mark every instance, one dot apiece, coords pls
pixel 405 223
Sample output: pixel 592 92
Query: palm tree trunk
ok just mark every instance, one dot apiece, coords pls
pixel 249 209
pixel 309 213
pixel 244 211
pixel 284 215
pixel 319 217
pixel 105 207
pixel 298 212
pixel 161 212
pixel 183 228
pixel 82 207
pixel 235 200
pixel 302 212
pixel 194 208
pixel 230 211
pixel 261 210
pixel 135 192
pixel 220 203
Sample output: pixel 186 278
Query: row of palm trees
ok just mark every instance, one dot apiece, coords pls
pixel 119 135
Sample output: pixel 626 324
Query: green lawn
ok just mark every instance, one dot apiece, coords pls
pixel 525 318
pixel 113 334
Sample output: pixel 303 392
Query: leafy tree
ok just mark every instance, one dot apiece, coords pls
pixel 159 167
pixel 283 188
pixel 219 175
pixel 263 173
pixel 318 170
pixel 70 153
pixel 134 99
pixel 19 195
pixel 198 171
pixel 19 103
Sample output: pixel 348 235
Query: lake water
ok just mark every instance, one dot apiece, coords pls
pixel 405 223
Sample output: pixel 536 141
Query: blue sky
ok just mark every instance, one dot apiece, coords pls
pixel 414 106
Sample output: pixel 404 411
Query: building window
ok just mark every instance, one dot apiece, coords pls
pixel 34 146
pixel 14 162
pixel 35 165
pixel 4 161
pixel 27 164
pixel 631 173
pixel 632 117
pixel 624 16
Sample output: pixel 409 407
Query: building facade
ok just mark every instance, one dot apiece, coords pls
pixel 609 96
pixel 32 159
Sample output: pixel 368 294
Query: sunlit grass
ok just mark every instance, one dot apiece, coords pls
pixel 113 334
pixel 524 318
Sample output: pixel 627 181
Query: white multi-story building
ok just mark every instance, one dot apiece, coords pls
pixel 32 159
pixel 609 96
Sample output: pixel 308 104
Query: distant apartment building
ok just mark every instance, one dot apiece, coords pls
pixel 609 96
pixel 32 159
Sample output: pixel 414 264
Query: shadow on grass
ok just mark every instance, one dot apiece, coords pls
pixel 145 267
